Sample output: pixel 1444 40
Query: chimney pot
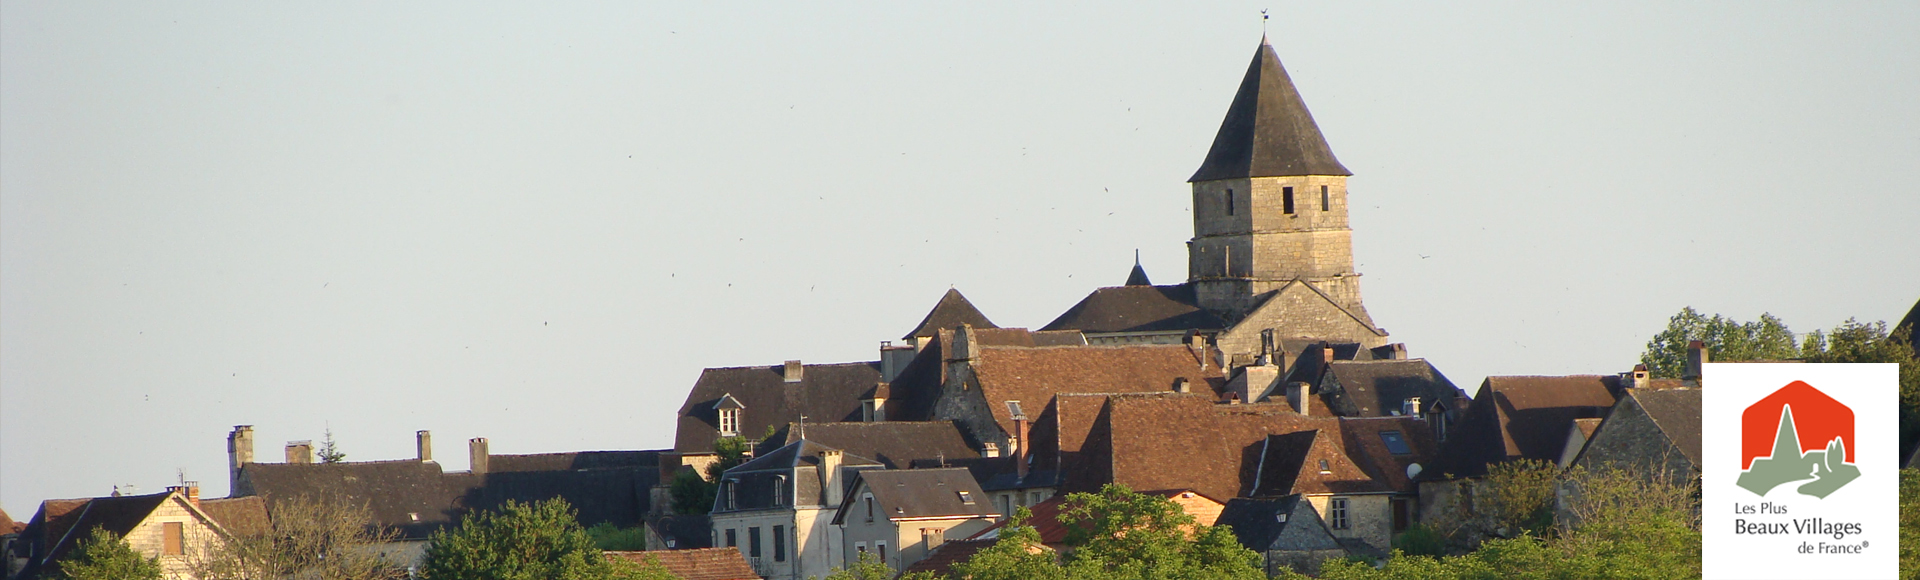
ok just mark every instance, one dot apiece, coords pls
pixel 795 371
pixel 239 453
pixel 423 445
pixel 477 455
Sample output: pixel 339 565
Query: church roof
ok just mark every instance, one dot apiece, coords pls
pixel 1138 277
pixel 953 310
pixel 1268 131
pixel 1137 309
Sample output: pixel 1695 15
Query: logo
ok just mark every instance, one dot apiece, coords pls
pixel 1797 434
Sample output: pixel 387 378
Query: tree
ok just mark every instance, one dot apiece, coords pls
pixel 607 536
pixel 1017 555
pixel 1728 339
pixel 105 556
pixel 1910 523
pixel 326 538
pixel 537 541
pixel 871 568
pixel 330 451
pixel 1117 534
pixel 692 493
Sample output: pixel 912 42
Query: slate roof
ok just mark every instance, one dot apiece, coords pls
pixel 1282 523
pixel 409 496
pixel 940 561
pixel 1137 309
pixel 952 310
pixel 1376 388
pixel 922 493
pixel 1268 131
pixel 574 460
pixel 918 386
pixel 1520 417
pixel 1677 413
pixel 696 564
pixel 68 522
pixel 242 516
pixel 826 393
pixel 1034 375
pixel 1138 277
pixel 895 444
pixel 755 480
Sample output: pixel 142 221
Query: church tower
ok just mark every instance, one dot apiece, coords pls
pixel 1270 202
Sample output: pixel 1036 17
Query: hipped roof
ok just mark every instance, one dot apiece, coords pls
pixel 1268 131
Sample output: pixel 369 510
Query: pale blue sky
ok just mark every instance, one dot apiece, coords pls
pixel 537 224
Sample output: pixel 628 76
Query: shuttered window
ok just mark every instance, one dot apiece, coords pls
pixel 175 538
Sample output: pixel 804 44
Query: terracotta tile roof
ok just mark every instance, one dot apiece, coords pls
pixel 696 564
pixel 244 516
pixel 1137 309
pixel 952 310
pixel 1172 442
pixel 1034 375
pixel 895 444
pixel 7 525
pixel 825 393
pixel 1586 426
pixel 1524 417
pixel 1366 443
pixel 941 560
pixel 918 386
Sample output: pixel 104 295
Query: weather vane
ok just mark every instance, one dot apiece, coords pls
pixel 1263 21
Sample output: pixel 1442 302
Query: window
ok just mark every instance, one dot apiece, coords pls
pixel 932 537
pixel 1402 515
pixel 869 499
pixel 881 547
pixel 966 497
pixel 1337 513
pixel 733 540
pixel 753 542
pixel 733 502
pixel 866 411
pixel 1324 468
pixel 1325 200
pixel 1286 200
pixel 729 422
pixel 779 490
pixel 860 547
pixel 779 543
pixel 1033 498
pixel 1005 503
pixel 175 540
pixel 1229 202
pixel 1396 444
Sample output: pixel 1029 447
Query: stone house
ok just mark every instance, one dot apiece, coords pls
pixel 899 516
pixel 1286 531
pixel 752 401
pixel 778 509
pixel 169 526
pixel 1651 431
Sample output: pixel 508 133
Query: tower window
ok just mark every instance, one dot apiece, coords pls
pixel 1325 201
pixel 1229 202
pixel 1286 200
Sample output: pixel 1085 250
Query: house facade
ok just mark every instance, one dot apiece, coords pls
pixel 899 516
pixel 778 509
pixel 168 526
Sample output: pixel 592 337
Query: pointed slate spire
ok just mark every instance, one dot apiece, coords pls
pixel 1268 131
pixel 1139 275
pixel 953 310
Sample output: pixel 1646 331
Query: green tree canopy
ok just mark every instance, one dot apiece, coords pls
pixel 1765 339
pixel 1117 534
pixel 105 556
pixel 538 541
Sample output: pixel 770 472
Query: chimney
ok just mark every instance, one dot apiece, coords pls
pixel 423 445
pixel 239 453
pixel 1020 443
pixel 1233 397
pixel 1638 378
pixel 300 452
pixel 830 476
pixel 794 371
pixel 1697 358
pixel 1254 382
pixel 1300 394
pixel 1410 407
pixel 1198 344
pixel 1326 353
pixel 894 360
pixel 193 492
pixel 990 449
pixel 1395 351
pixel 477 455
pixel 1180 385
pixel 964 348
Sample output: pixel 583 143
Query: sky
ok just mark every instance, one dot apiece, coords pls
pixel 537 224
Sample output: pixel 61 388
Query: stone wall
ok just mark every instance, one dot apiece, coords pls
pixel 149 538
pixel 1369 518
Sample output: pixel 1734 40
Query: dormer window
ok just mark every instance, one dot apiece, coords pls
pixel 780 490
pixel 729 422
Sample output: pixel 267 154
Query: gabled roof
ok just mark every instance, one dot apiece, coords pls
pixel 1523 417
pixel 1137 309
pixel 1034 375
pixel 1282 523
pixel 1268 131
pixel 80 517
pixel 921 493
pixel 1677 413
pixel 895 444
pixel 793 469
pixel 696 564
pixel 241 516
pixel 952 310
pixel 1366 444
pixel 825 393
pixel 914 392
pixel 1376 388
pixel 1188 441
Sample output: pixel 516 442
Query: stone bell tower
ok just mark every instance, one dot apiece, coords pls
pixel 1270 202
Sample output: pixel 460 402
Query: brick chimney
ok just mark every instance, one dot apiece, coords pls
pixel 423 445
pixel 1020 443
pixel 239 453
pixel 189 490
pixel 1697 358
pixel 300 452
pixel 795 371
pixel 830 476
pixel 477 455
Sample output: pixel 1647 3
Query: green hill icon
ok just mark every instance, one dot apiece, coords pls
pixel 1827 468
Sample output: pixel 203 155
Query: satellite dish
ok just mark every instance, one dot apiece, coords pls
pixel 1413 470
